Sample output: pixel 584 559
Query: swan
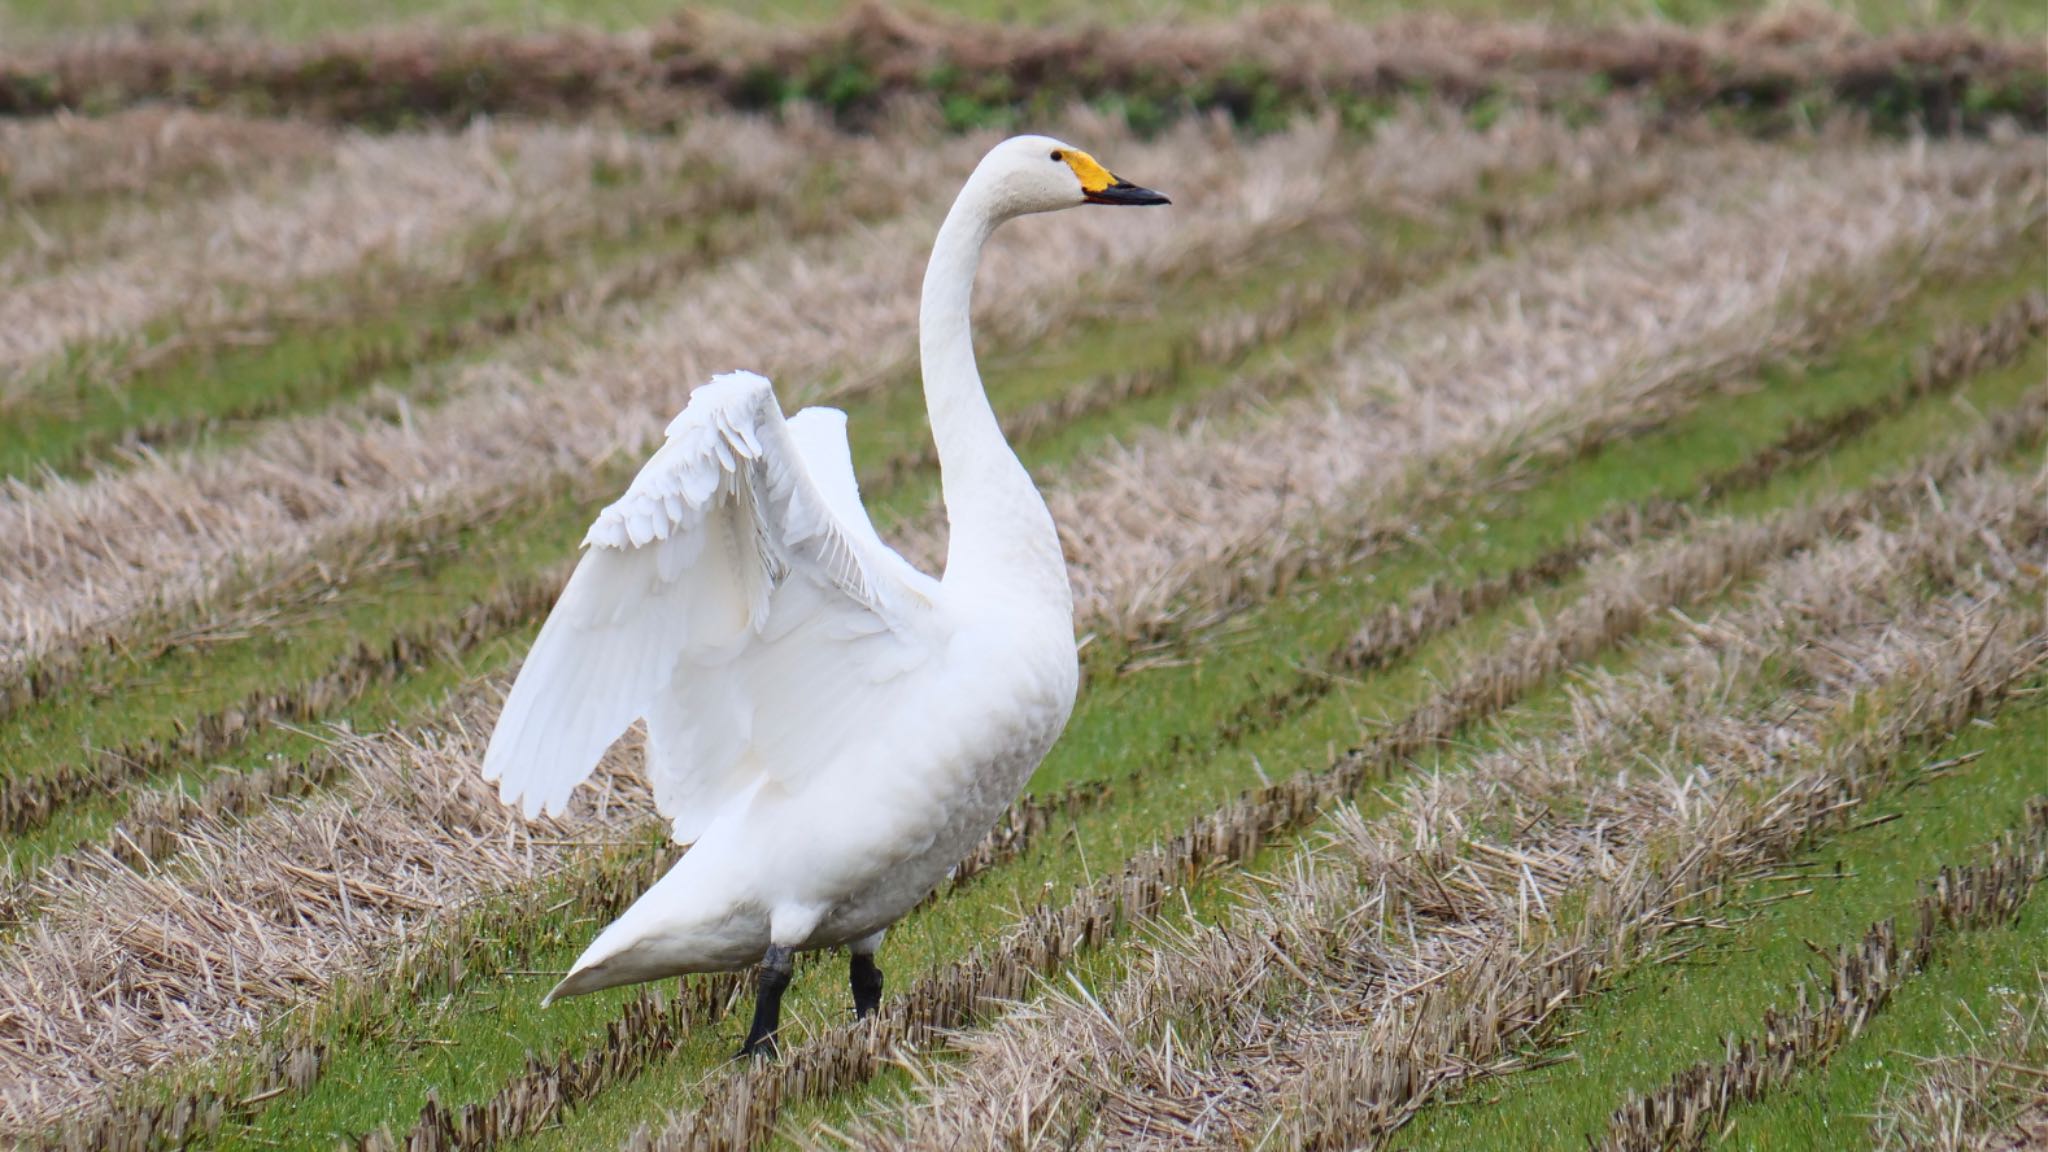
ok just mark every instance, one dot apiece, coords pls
pixel 828 728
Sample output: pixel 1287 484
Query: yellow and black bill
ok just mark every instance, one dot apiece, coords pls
pixel 1123 192
pixel 1099 186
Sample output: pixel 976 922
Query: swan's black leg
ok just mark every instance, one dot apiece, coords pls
pixel 867 985
pixel 776 967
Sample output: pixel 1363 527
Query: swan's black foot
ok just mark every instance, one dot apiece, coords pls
pixel 867 985
pixel 776 967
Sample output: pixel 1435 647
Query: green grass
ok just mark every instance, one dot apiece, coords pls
pixel 1665 1017
pixel 302 19
pixel 1973 980
pixel 470 1041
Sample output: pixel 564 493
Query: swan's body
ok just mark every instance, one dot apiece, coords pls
pixel 829 728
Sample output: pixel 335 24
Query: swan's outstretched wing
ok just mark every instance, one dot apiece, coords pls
pixel 744 532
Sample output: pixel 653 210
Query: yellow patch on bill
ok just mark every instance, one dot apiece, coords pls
pixel 1094 177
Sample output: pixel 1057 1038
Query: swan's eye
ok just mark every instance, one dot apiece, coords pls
pixel 1058 156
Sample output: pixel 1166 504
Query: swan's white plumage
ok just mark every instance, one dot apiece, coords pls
pixel 674 599
pixel 829 728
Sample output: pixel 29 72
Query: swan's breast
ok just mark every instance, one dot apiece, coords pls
pixel 952 760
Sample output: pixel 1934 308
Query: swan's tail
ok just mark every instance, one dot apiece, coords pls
pixel 621 954
pixel 586 978
pixel 680 925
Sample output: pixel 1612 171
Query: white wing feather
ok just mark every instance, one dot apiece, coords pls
pixel 739 555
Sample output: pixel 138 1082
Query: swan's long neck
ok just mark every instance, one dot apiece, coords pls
pixel 999 530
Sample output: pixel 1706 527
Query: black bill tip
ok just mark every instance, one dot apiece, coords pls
pixel 1126 194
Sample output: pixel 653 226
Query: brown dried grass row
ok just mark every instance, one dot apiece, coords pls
pixel 1397 630
pixel 742 1110
pixel 1540 356
pixel 1955 356
pixel 513 424
pixel 1987 1097
pixel 1454 159
pixel 28 802
pixel 124 970
pixel 141 154
pixel 1227 342
pixel 1424 951
pixel 1369 1087
pixel 1827 1013
pixel 743 201
pixel 1290 56
pixel 135 150
pixel 400 200
pixel 437 966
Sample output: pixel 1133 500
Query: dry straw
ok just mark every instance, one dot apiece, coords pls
pixel 1596 185
pixel 1433 610
pixel 397 199
pixel 1984 1095
pixel 113 162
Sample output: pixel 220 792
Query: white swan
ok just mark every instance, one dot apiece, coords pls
pixel 829 728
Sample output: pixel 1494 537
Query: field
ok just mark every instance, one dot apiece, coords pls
pixel 1557 512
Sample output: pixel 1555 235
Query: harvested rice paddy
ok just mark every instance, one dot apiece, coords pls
pixel 1557 513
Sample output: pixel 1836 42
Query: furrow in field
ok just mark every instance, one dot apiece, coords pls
pixel 1982 1095
pixel 258 914
pixel 1556 339
pixel 776 167
pixel 1826 1014
pixel 398 198
pixel 1742 792
pixel 192 521
pixel 1354 1019
pixel 1723 979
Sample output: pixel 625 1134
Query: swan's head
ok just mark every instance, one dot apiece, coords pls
pixel 1040 174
